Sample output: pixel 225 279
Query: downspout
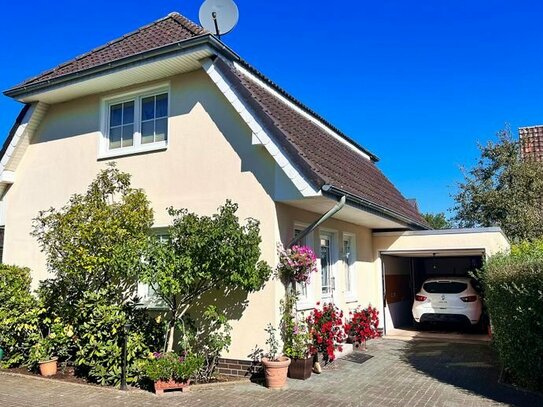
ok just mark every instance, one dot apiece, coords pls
pixel 337 207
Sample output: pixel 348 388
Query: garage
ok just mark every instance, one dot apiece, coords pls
pixel 408 259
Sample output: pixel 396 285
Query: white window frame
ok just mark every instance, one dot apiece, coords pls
pixel 350 269
pixel 305 300
pixel 333 236
pixel 137 147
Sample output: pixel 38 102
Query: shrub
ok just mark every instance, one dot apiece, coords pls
pixel 363 324
pixel 100 330
pixel 20 315
pixel 169 366
pixel 513 288
pixel 326 327
pixel 295 334
pixel 208 337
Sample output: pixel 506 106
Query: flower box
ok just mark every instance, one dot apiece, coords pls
pixel 300 368
pixel 162 385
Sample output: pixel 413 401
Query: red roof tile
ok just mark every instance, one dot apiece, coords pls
pixel 531 142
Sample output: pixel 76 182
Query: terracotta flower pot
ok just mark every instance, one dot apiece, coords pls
pixel 161 385
pixel 300 368
pixel 276 372
pixel 48 367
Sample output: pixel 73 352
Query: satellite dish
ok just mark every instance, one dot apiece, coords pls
pixel 218 16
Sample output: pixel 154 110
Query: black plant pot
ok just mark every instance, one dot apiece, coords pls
pixel 300 368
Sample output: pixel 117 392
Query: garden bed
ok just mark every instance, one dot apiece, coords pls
pixel 68 375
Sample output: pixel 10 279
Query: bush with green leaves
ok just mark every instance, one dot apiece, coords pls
pixel 208 336
pixel 170 366
pixel 96 241
pixel 204 254
pixel 20 315
pixel 513 288
pixel 100 329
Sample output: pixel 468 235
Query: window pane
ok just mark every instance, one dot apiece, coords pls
pixel 325 265
pixel 162 105
pixel 128 113
pixel 128 135
pixel 116 115
pixel 347 259
pixel 148 108
pixel 115 137
pixel 147 132
pixel 161 129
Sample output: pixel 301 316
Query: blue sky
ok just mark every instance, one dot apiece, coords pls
pixel 418 83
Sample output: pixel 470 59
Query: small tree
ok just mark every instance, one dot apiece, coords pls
pixel 96 242
pixel 437 220
pixel 502 189
pixel 204 253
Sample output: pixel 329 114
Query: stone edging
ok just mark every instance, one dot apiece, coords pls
pixel 192 387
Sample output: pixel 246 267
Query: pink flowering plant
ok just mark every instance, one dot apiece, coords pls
pixel 296 264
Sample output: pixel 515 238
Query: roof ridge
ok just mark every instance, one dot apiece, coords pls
pixel 174 15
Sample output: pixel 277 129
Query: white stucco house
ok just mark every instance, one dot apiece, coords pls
pixel 195 124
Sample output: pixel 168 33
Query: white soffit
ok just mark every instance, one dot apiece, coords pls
pixel 260 136
pixel 297 109
pixel 20 141
pixel 117 78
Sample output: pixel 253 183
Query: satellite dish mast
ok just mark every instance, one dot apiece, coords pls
pixel 218 16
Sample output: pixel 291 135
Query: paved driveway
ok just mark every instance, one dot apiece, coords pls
pixel 391 373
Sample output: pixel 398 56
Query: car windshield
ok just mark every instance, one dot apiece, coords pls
pixel 445 287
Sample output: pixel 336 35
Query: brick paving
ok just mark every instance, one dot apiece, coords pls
pixel 390 373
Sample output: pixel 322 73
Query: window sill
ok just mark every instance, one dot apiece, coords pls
pixel 350 298
pixel 127 151
pixel 304 305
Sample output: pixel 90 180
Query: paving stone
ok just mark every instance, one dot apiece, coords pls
pixel 390 373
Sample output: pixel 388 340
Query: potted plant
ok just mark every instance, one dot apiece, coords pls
pixel 297 349
pixel 275 366
pixel 363 325
pixel 296 265
pixel 327 334
pixel 43 355
pixel 169 371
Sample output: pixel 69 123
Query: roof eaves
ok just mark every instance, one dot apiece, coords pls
pixel 203 39
pixel 14 128
pixel 377 209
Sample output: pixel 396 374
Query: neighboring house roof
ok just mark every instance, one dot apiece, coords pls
pixel 323 158
pixel 531 142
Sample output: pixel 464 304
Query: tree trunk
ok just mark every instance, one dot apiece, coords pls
pixel 171 334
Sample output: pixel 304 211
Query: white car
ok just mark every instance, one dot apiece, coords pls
pixel 447 299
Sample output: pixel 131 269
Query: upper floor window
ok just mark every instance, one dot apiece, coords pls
pixel 135 122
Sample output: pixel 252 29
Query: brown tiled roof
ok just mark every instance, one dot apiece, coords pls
pixel 323 158
pixel 531 142
pixel 168 30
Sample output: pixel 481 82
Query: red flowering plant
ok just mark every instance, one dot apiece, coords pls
pixel 296 264
pixel 326 327
pixel 363 324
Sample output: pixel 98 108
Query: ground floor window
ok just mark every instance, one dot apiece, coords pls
pixel 326 264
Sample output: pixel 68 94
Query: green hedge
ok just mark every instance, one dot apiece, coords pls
pixel 513 286
pixel 20 315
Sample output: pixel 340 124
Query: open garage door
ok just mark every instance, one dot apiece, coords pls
pixel 404 273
